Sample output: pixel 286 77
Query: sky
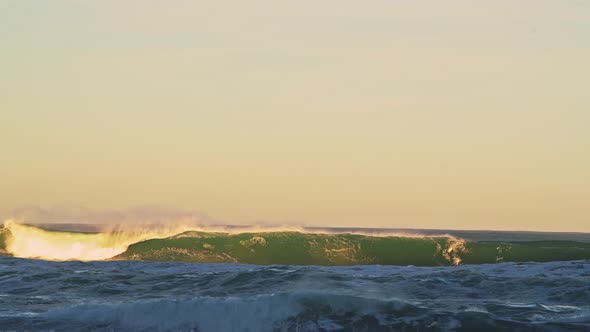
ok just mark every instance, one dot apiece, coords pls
pixel 419 114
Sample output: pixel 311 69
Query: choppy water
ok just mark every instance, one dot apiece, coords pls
pixel 148 296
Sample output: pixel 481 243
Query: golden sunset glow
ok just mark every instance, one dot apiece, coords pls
pixel 460 114
pixel 33 242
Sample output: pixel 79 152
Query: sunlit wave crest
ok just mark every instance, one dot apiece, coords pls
pixel 186 241
pixel 26 241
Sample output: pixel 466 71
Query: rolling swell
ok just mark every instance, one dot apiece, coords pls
pixel 296 248
pixel 139 296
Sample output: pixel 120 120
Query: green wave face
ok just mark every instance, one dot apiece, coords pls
pixel 346 249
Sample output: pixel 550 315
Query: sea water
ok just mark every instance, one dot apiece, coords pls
pixel 40 295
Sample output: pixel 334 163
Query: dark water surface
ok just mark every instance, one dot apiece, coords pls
pixel 149 296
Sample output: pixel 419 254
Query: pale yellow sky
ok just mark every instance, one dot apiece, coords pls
pixel 421 114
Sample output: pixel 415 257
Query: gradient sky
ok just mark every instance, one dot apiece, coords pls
pixel 426 114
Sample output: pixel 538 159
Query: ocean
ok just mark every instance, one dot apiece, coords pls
pixel 455 282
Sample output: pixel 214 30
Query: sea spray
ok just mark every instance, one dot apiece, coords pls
pixel 26 241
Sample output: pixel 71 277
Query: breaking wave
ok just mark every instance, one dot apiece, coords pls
pixel 28 241
pixel 265 247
